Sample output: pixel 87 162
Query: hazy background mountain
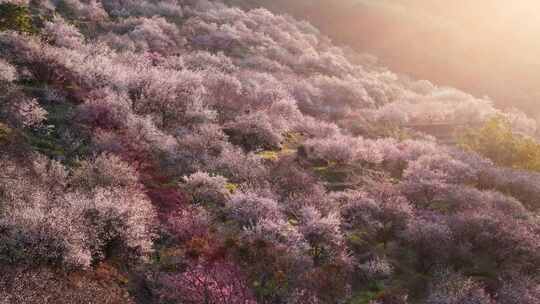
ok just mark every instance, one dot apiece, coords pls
pixel 484 47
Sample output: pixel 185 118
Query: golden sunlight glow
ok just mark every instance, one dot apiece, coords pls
pixel 487 47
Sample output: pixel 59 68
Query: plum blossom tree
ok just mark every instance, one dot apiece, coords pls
pixel 512 242
pixel 106 171
pixel 340 96
pixel 29 112
pixel 168 8
pixel 522 290
pixel 239 167
pixel 323 235
pixel 254 132
pixel 39 285
pixel 62 34
pixel 119 222
pixel 279 257
pixel 74 227
pixel 291 181
pixel 7 71
pixel 248 209
pixel 91 10
pixel 430 174
pixel 454 288
pixel 377 268
pixel 219 282
pixel 192 222
pixel 206 189
pixel 344 150
pixel 370 219
pixel 522 185
pixel 432 239
pixel 202 60
pixel 105 110
pixel 153 34
pixel 463 198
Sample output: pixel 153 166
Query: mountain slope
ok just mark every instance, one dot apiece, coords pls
pixel 192 152
pixel 483 47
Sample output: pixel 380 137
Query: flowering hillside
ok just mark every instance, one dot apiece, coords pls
pixel 185 151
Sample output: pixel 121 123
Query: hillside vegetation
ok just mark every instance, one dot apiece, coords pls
pixel 186 151
pixel 486 47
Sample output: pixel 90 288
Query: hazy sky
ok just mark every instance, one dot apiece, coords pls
pixel 487 47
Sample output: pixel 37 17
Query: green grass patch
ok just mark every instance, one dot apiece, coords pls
pixel 268 155
pixel 16 18
pixel 231 187
pixel 5 132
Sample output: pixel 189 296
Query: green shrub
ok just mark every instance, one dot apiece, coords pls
pixel 5 131
pixel 497 141
pixel 17 18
